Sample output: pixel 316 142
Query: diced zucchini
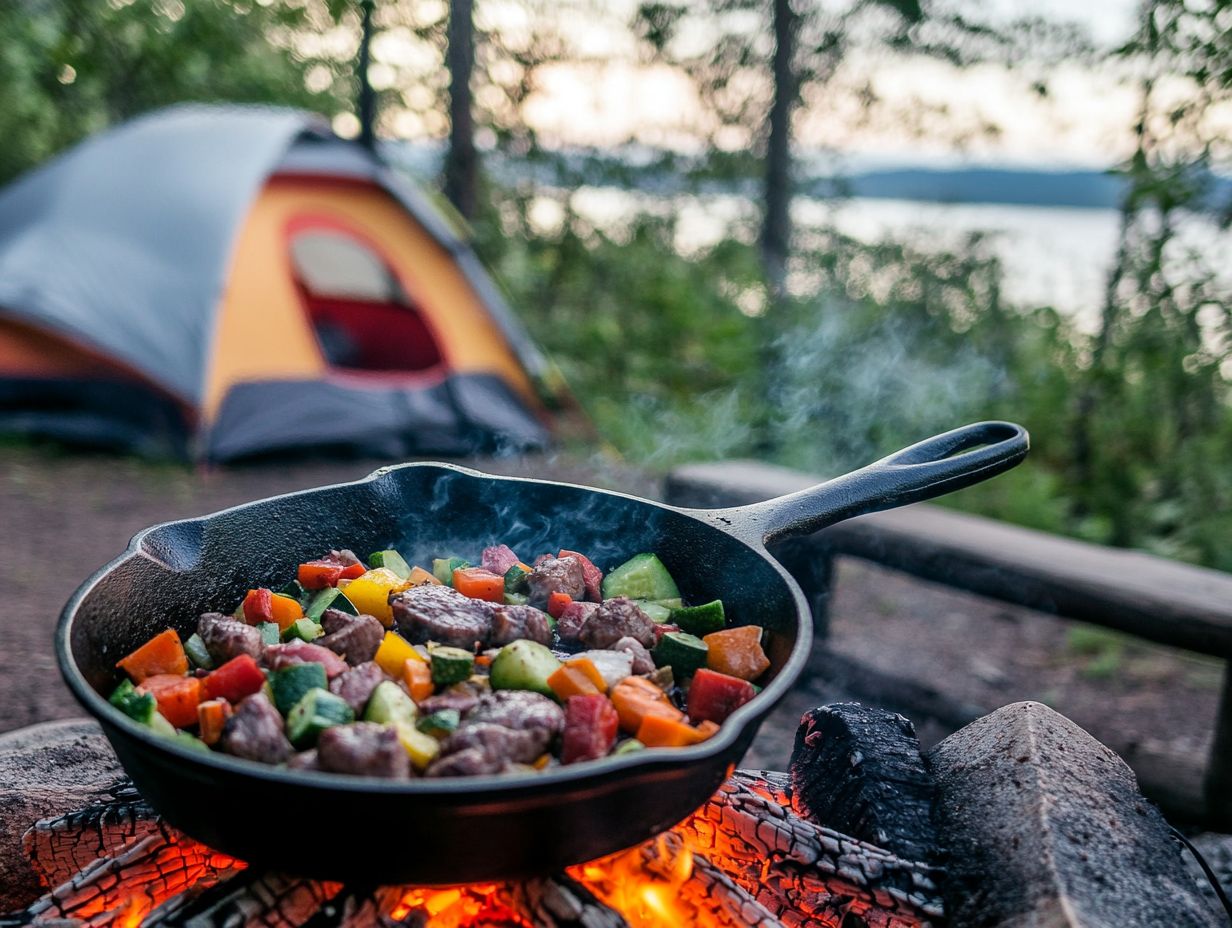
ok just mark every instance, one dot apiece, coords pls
pixel 443 568
pixel 674 603
pixel 304 629
pixel 516 579
pixel 390 560
pixel 291 683
pixel 137 706
pixel 269 632
pixel 159 724
pixel 700 620
pixel 195 648
pixel 516 599
pixel 683 652
pixel 657 612
pixel 389 703
pixel 318 710
pixel 190 741
pixel 450 665
pixel 440 723
pixel 296 591
pixel 329 598
pixel 420 747
pixel 524 665
pixel 629 746
pixel 643 576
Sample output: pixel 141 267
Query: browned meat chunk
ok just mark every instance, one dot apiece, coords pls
pixel 615 619
pixel 497 741
pixel 574 616
pixel 520 710
pixel 440 613
pixel 226 637
pixel 509 623
pixel 278 656
pixel 304 760
pixel 355 637
pixel 462 696
pixel 363 749
pixel 472 762
pixel 357 684
pixel 556 575
pixel 254 732
pixel 642 661
pixel 498 559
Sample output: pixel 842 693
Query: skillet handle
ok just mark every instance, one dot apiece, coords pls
pixel 931 468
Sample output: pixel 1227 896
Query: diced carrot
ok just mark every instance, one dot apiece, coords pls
pixel 259 606
pixel 351 571
pixel 317 575
pixel 177 697
pixel 285 611
pixel 418 677
pixel 568 681
pixel 478 583
pixel 161 654
pixel 483 660
pixel 542 761
pixel 526 568
pixel 708 729
pixel 659 731
pixel 419 576
pixel 635 698
pixel 557 603
pixel 587 666
pixel 212 714
pixel 737 652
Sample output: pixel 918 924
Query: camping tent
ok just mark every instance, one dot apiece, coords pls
pixel 238 281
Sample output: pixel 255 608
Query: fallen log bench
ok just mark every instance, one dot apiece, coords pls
pixel 1142 595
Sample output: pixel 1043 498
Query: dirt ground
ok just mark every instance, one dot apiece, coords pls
pixel 64 516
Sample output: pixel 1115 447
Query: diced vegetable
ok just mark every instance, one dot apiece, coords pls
pixel 394 650
pixel 138 706
pixel 700 620
pixel 258 606
pixel 389 704
pixel 523 665
pixel 587 666
pixel 391 560
pixel 190 741
pixel 317 575
pixel 370 593
pixel 516 599
pixel 329 598
pixel 269 633
pixel 515 579
pixel 569 681
pixel 161 654
pixel 302 629
pixel 289 684
pixel 440 723
pixel 418 676
pixel 443 568
pixel 177 697
pixel 285 611
pixel 635 698
pixel 683 652
pixel 237 678
pixel 658 731
pixel 295 590
pixel 557 603
pixel 714 696
pixel 351 571
pixel 195 648
pixel 628 746
pixel 590 728
pixel 478 583
pixel 658 613
pixel 737 652
pixel 450 665
pixel 420 747
pixel 643 576
pixel 316 711
pixel 212 715
pixel 419 577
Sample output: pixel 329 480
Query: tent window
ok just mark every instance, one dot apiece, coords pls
pixel 362 317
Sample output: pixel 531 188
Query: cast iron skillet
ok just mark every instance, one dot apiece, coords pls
pixel 441 831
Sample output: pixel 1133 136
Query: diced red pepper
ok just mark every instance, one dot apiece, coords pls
pixel 713 696
pixel 592 576
pixel 177 697
pixel 259 606
pixel 478 583
pixel 590 728
pixel 662 629
pixel 557 603
pixel 237 678
pixel 353 571
pixel 317 575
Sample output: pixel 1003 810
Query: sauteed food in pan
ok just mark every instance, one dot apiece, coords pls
pixel 393 670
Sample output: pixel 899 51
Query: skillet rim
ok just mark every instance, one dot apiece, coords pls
pixel 572 775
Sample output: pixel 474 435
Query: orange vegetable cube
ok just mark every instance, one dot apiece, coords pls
pixel 568 681
pixel 177 697
pixel 659 731
pixel 587 666
pixel 737 652
pixel 212 714
pixel 478 583
pixel 161 654
pixel 419 577
pixel 285 611
pixel 635 698
pixel 417 675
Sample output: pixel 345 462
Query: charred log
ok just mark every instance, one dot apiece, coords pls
pixel 559 902
pixel 858 770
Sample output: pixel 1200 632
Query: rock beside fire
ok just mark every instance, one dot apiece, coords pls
pixel 1045 826
pixel 857 769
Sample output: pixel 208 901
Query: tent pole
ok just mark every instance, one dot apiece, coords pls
pixel 367 98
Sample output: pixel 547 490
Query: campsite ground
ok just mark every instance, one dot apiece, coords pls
pixel 63 516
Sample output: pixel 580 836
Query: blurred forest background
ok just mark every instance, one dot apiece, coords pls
pixel 769 329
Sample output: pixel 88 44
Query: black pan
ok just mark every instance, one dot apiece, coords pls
pixel 479 828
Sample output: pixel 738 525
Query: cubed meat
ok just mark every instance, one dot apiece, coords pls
pixel 356 685
pixel 472 762
pixel 462 696
pixel 498 559
pixel 304 760
pixel 509 623
pixel 225 637
pixel 439 613
pixel 355 637
pixel 519 710
pixel 592 576
pixel 363 749
pixel 615 619
pixel 642 661
pixel 613 666
pixel 556 575
pixel 255 732
pixel 574 616
pixel 510 744
pixel 344 558
pixel 277 656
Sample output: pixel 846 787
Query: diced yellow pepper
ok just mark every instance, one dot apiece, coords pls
pixel 421 747
pixel 394 652
pixel 370 591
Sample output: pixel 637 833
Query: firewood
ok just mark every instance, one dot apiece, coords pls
pixel 559 902
pixel 270 900
pixel 858 770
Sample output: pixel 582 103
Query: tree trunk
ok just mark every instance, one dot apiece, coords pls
pixel 461 162
pixel 366 104
pixel 776 226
